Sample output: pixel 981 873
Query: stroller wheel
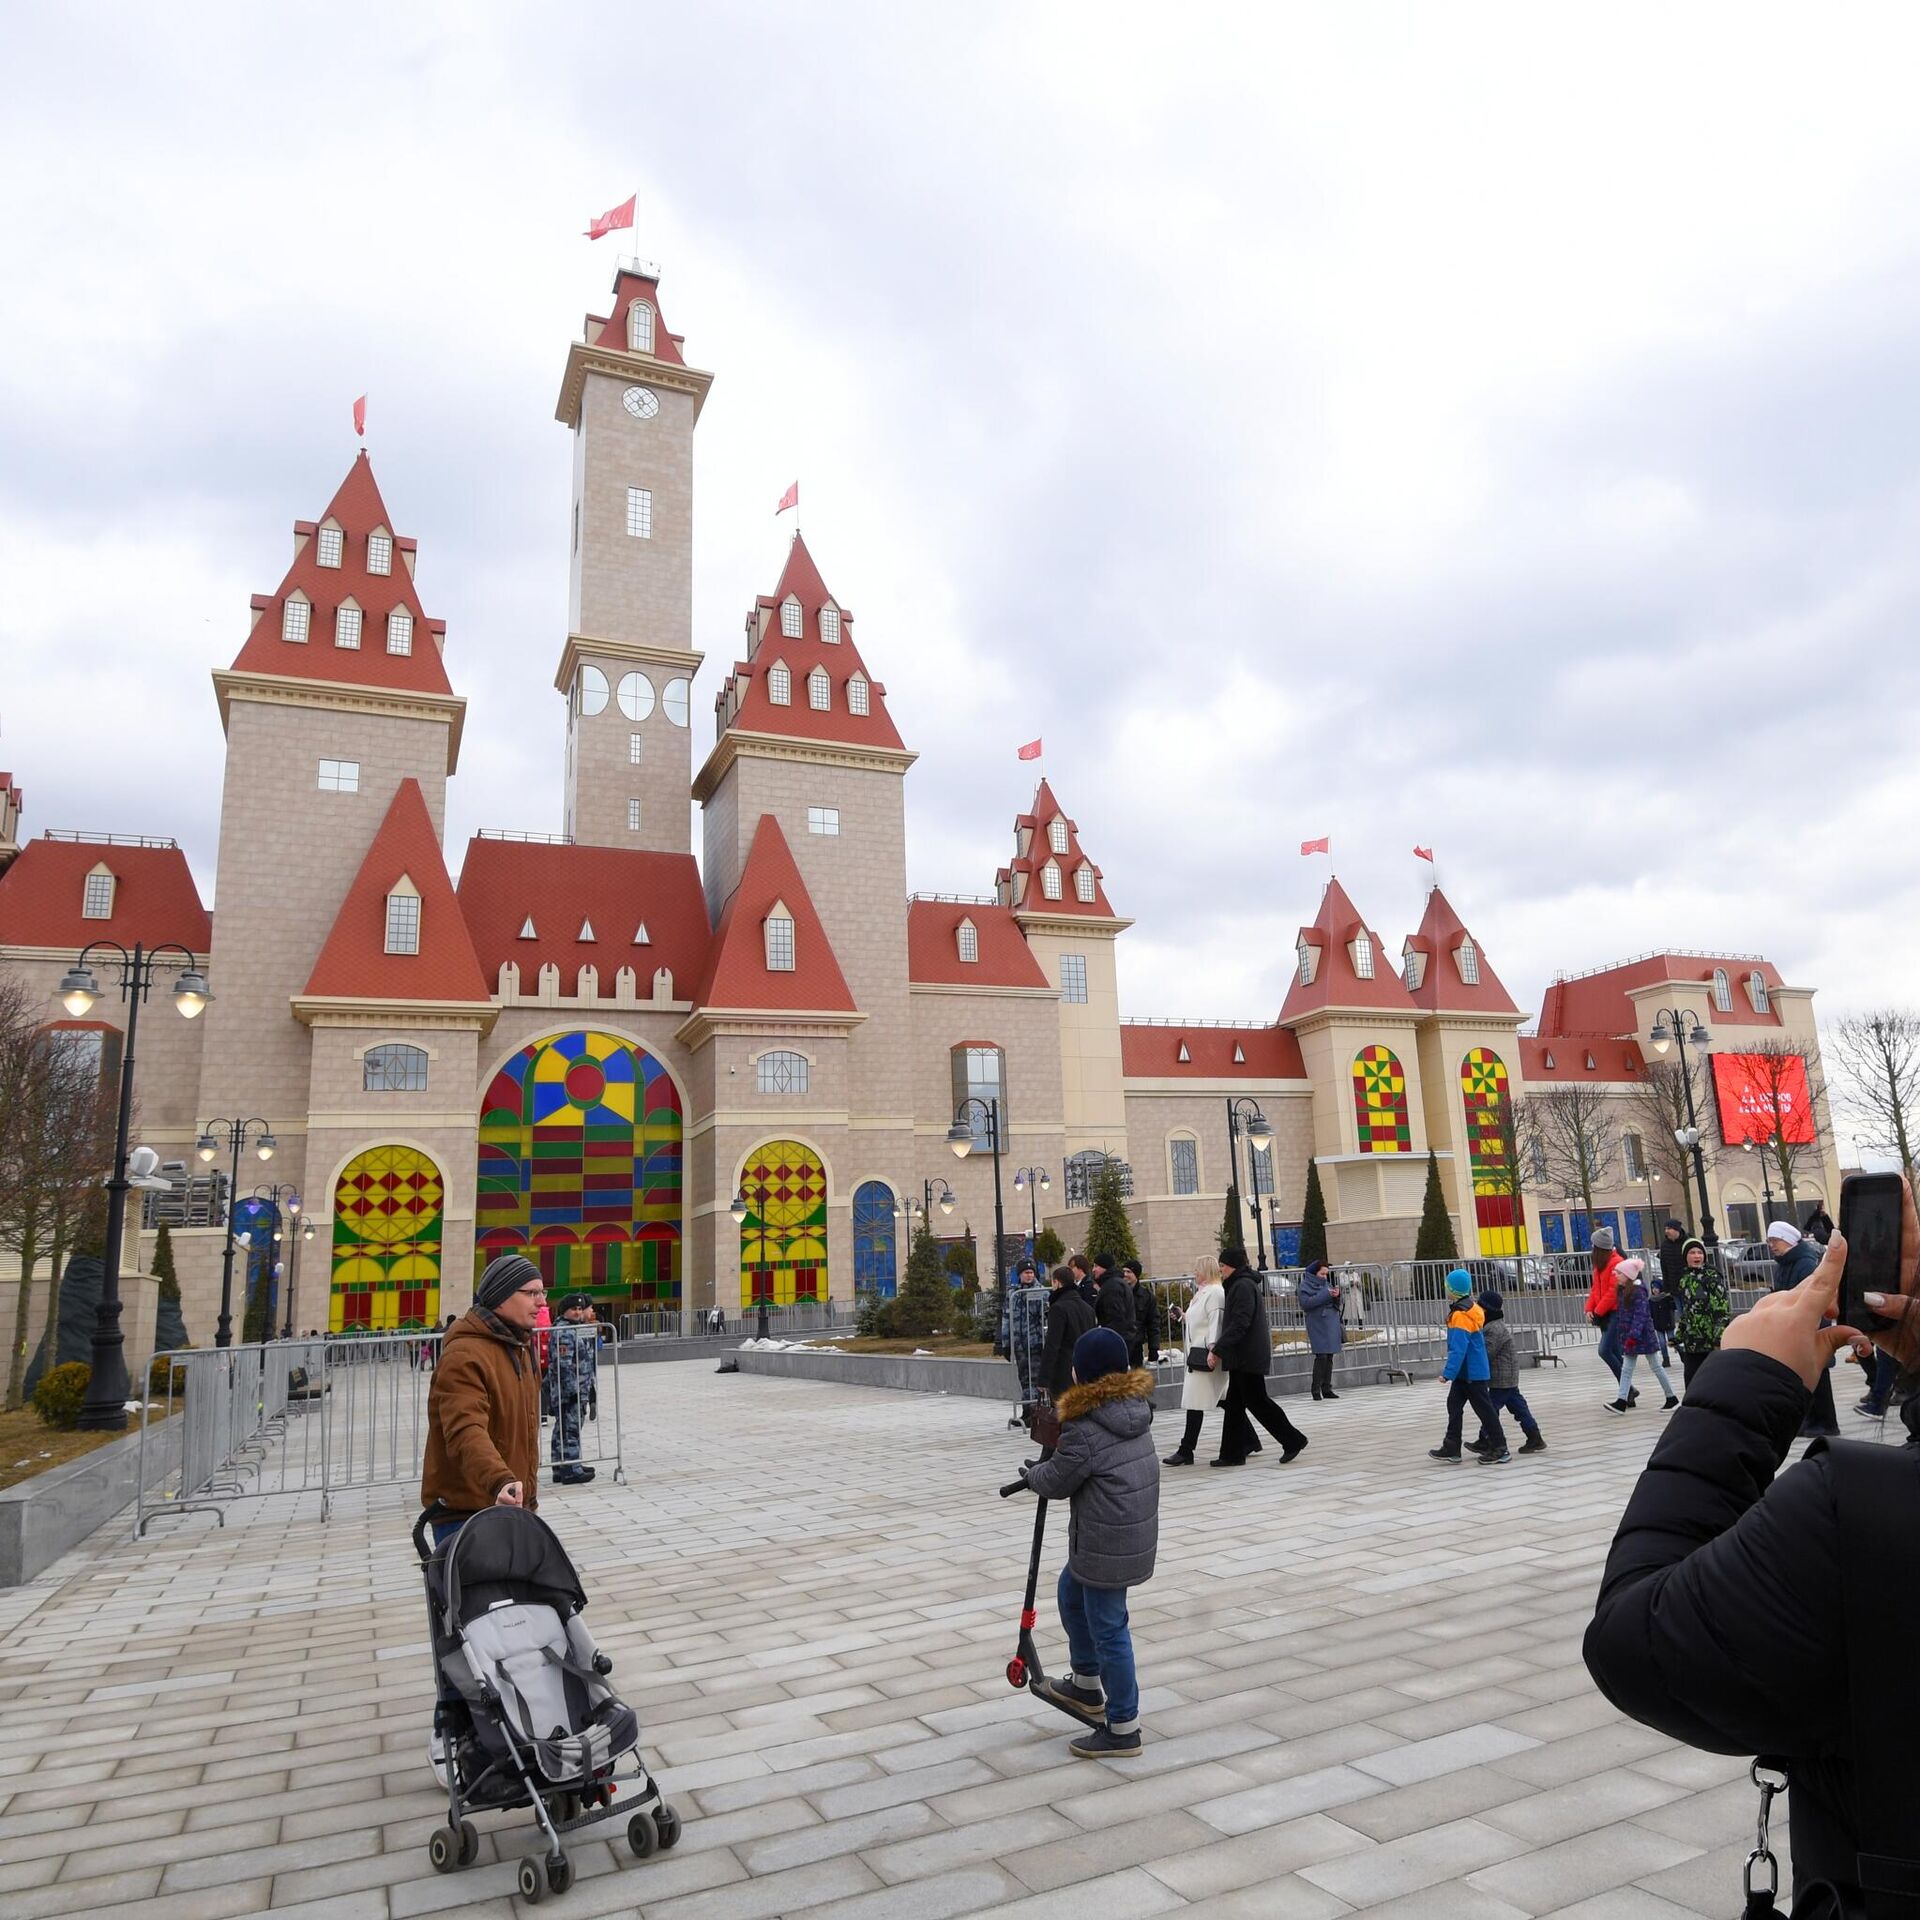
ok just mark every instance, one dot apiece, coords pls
pixel 643 1836
pixel 443 1846
pixel 533 1880
pixel 667 1824
pixel 559 1873
pixel 469 1844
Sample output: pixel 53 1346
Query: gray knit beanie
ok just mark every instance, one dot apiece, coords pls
pixel 503 1278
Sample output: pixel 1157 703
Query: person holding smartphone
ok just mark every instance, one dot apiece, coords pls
pixel 1742 1613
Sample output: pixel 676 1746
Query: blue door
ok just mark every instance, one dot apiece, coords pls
pixel 873 1241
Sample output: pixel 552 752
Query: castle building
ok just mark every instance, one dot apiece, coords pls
pixel 728 1079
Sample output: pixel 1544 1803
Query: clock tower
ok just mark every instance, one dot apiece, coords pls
pixel 627 668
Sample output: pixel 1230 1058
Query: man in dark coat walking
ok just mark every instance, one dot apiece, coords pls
pixel 1794 1259
pixel 1113 1298
pixel 1068 1317
pixel 1144 1347
pixel 1673 1257
pixel 1245 1351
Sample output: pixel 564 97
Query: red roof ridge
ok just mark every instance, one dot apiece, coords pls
pixel 737 974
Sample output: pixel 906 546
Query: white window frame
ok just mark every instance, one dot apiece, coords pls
pixel 820 690
pixel 1363 956
pixel 633 816
pixel 792 621
pixel 380 553
pixel 96 895
pixel 1056 836
pixel 399 631
pixel 1050 880
pixel 339 776
pixel 1073 978
pixel 1469 959
pixel 780 684
pixel 1722 991
pixel 782 1063
pixel 329 547
pixel 640 325
pixel 824 820
pixel 1415 968
pixel 403 920
pixel 394 1067
pixel 633 748
pixel 830 625
pixel 296 619
pixel 1174 1142
pixel 967 943
pixel 781 946
pixel 1083 884
pixel 348 628
pixel 1309 957
pixel 640 513
pixel 858 700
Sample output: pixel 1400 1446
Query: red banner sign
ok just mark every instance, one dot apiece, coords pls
pixel 1761 1095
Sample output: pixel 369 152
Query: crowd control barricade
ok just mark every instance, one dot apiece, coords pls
pixel 317 1418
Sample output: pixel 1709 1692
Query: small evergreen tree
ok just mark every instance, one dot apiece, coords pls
pixel 926 1294
pixel 1048 1248
pixel 1313 1219
pixel 1232 1231
pixel 163 1270
pixel 1435 1239
pixel 1109 1231
pixel 961 1263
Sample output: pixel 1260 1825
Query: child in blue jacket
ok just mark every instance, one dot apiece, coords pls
pixel 1466 1371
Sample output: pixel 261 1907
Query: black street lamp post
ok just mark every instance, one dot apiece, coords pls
pixel 960 1139
pixel 1680 1024
pixel 1246 1112
pixel 291 1228
pixel 105 1407
pixel 1033 1181
pixel 1765 1149
pixel 207 1148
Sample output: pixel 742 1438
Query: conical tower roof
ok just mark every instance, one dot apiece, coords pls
pixel 1454 976
pixel 1350 964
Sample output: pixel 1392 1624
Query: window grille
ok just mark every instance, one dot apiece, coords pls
pixel 394 1068
pixel 330 547
pixel 296 621
pixel 379 553
pixel 346 628
pixel 1073 978
pixel 1186 1165
pixel 782 1072
pixel 403 923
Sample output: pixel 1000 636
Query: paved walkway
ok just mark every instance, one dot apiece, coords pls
pixel 1363 1689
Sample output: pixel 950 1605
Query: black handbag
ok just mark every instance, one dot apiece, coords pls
pixel 1199 1359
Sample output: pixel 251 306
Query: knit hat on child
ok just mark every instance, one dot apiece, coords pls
pixel 1459 1281
pixel 1098 1353
pixel 1492 1305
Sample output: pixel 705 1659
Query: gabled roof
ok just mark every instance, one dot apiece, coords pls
pixel 505 884
pixel 154 898
pixel 610 330
pixel 354 963
pixel 1569 1053
pixel 743 702
pixel 1152 1052
pixel 1033 830
pixel 933 947
pixel 1335 984
pixel 737 973
pixel 1442 990
pixel 1598 1002
pixel 358 510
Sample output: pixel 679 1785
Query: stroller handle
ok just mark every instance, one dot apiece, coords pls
pixel 437 1510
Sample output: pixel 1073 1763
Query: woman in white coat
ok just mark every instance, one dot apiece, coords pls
pixel 1203 1391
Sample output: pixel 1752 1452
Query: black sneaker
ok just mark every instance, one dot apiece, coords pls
pixel 1633 1398
pixel 1672 1401
pixel 1085 1703
pixel 1444 1453
pixel 1618 1406
pixel 1495 1459
pixel 1485 1446
pixel 1534 1444
pixel 1104 1744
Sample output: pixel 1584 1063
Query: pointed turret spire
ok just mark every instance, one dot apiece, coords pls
pixel 1342 963
pixel 1050 871
pixel 1445 970
pixel 770 949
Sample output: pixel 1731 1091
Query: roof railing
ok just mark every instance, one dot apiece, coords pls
pixel 1660 953
pixel 1159 1020
pixel 528 839
pixel 75 838
pixel 959 899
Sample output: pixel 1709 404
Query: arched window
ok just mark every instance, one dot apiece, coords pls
pixel 1757 990
pixel 819 690
pixel 640 327
pixel 1050 880
pixel 874 1266
pixel 1184 1163
pixel 1380 1102
pixel 394 1068
pixel 857 701
pixel 1722 991
pixel 1083 883
pixel 780 684
pixel 969 938
pixel 1057 835
pixel 781 1072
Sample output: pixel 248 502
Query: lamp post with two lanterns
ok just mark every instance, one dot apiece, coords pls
pixel 1680 1024
pixel 1033 1181
pixel 105 1408
pixel 960 1139
pixel 1246 1112
pixel 290 1229
pixel 208 1147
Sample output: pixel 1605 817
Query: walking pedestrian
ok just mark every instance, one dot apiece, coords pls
pixel 1819 1227
pixel 1069 1315
pixel 1704 1309
pixel 572 1368
pixel 1601 1298
pixel 1466 1370
pixel 1113 1299
pixel 1144 1347
pixel 1633 1321
pixel 1245 1350
pixel 1672 1252
pixel 1326 1330
pixel 1503 1386
pixel 1204 1381
pixel 1083 1279
pixel 1794 1259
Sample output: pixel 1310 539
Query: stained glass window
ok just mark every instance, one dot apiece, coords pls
pixel 388 1209
pixel 1484 1093
pixel 783 1237
pixel 874 1245
pixel 1380 1102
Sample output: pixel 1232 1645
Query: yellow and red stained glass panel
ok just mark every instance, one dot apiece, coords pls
pixel 1484 1092
pixel 783 1239
pixel 388 1207
pixel 1380 1102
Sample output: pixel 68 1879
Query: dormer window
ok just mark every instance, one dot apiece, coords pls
pixel 526 929
pixel 1550 1064
pixel 857 695
pixel 1083 883
pixel 819 690
pixel 830 625
pixel 1183 1056
pixel 379 553
pixel 969 938
pixel 1722 991
pixel 586 935
pixel 96 896
pixel 399 631
pixel 328 550
pixel 1050 880
pixel 1309 956
pixel 1593 1065
pixel 1057 835
pixel 403 917
pixel 296 620
pixel 1362 950
pixel 790 622
pixel 779 935
pixel 346 627
pixel 640 327
pixel 1757 991
pixel 1468 956
pixel 1416 967
pixel 780 684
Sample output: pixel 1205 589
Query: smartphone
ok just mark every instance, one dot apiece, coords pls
pixel 1871 1209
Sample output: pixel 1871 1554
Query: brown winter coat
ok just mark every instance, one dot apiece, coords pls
pixel 483 1419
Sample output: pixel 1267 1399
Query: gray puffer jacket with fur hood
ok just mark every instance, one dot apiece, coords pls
pixel 1106 1462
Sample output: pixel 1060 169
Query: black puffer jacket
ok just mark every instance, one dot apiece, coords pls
pixel 1721 1618
pixel 1106 1461
pixel 1244 1345
pixel 1114 1307
pixel 1068 1317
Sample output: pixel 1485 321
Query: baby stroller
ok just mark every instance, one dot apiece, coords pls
pixel 535 1723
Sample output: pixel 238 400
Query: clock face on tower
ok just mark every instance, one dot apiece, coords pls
pixel 640 402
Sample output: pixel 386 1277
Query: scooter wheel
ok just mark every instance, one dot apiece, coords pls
pixel 1016 1672
pixel 532 1880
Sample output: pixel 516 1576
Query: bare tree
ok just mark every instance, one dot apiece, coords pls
pixel 1658 1105
pixel 1879 1057
pixel 1574 1139
pixel 1780 1078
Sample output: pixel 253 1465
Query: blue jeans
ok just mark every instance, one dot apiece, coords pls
pixel 1508 1400
pixel 1610 1348
pixel 1653 1360
pixel 1100 1646
pixel 1886 1370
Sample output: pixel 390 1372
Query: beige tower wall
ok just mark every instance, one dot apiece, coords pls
pixel 1095 1104
pixel 1444 1042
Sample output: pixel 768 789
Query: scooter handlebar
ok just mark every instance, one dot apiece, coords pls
pixel 1014 1486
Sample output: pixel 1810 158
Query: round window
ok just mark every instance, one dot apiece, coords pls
pixel 636 695
pixel 593 690
pixel 673 702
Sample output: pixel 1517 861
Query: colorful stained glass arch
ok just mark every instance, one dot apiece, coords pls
pixel 580 1169
pixel 1484 1092
pixel 783 1239
pixel 875 1260
pixel 389 1206
pixel 1380 1102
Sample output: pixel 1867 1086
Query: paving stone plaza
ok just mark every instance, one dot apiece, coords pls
pixel 1362 1688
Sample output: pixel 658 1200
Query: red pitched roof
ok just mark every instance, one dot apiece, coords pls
pixel 1153 1053
pixel 354 963
pixel 1598 1003
pixel 358 510
pixel 933 947
pixel 610 330
pixel 737 972
pixel 1612 1059
pixel 1335 984
pixel 1442 990
pixel 1037 827
pixel 154 898
pixel 744 702
pixel 616 890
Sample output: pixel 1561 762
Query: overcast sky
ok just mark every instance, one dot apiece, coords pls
pixel 1492 428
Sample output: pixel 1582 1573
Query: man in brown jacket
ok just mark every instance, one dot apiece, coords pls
pixel 483 1413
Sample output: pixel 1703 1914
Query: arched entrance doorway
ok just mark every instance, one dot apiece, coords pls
pixel 875 1268
pixel 783 1239
pixel 580 1161
pixel 388 1206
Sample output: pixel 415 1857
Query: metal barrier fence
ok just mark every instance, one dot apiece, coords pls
pixel 804 1317
pixel 324 1417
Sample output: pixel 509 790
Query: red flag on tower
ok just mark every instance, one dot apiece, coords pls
pixel 360 416
pixel 1316 846
pixel 1424 853
pixel 1031 751
pixel 791 498
pixel 620 216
